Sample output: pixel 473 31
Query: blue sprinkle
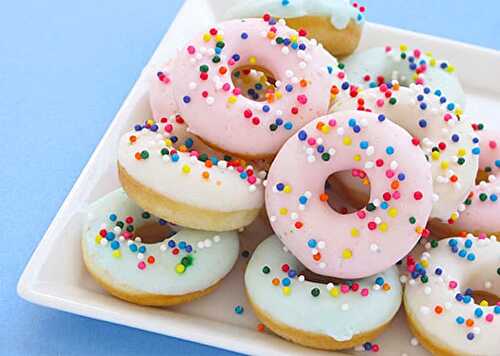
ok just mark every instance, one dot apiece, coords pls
pixel 266 108
pixel 401 176
pixel 467 299
pixel 113 217
pixel 115 245
pixel 470 335
pixel 142 249
pixel 475 140
pixel 345 86
pixel 450 106
pixel 468 243
pixel 287 42
pixel 422 123
pixel 460 320
pixel 258 86
pixel 420 97
pixel 438 271
pixel 171 244
pixel 175 157
pixel 280 186
pixel 454 249
pixel 236 57
pixel 182 245
pixel 292 273
pixel 244 35
pixel 452 242
pixel 302 47
pixel 455 138
pixel 381 117
pixel 438 92
pixel 444 65
pixel 352 122
pixel 285 281
pixel 471 257
pixel 496 310
pixel 186 99
pixel 239 309
pixel 442 100
pixel 110 236
pixel 137 127
pixel 493 197
pixel 462 253
pixel 379 281
pixel 312 243
pixel 356 129
pixel 133 247
pixel 389 150
pixel 478 312
pixel 423 106
pixel 189 248
pixel 320 148
pixel 363 145
pixel 459 297
pixel 288 125
pixel 302 199
pixel 289 87
pixel 189 143
pixel 279 121
pixel 427 90
pixel 384 205
pixel 476 150
pixel 302 135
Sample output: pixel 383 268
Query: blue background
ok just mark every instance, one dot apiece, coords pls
pixel 65 67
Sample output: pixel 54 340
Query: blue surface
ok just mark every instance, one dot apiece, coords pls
pixel 65 67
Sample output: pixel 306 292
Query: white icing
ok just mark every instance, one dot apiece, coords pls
pixel 443 328
pixel 340 317
pixel 341 12
pixel 210 263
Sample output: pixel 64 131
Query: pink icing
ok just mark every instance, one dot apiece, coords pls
pixel 483 215
pixel 363 243
pixel 216 111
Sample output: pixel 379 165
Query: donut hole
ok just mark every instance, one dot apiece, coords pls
pixel 255 82
pixel 311 276
pixel 480 295
pixel 347 191
pixel 152 233
pixel 482 176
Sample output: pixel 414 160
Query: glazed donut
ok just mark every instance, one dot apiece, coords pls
pixel 449 143
pixel 375 66
pixel 173 176
pixel 216 111
pixel 439 300
pixel 337 24
pixel 180 268
pixel 368 241
pixel 481 209
pixel 320 315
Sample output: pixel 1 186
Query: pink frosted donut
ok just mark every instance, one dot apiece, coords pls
pixel 482 206
pixel 216 110
pixel 372 239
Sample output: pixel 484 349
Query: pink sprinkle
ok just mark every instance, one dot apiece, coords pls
pixel 482 236
pixel 388 48
pixel 383 88
pixel 191 50
pixel 361 214
pixel 492 145
pixel 447 117
pixel 417 53
pixel 127 235
pixel 489 317
pixel 311 141
pixel 364 292
pixel 341 75
pixel 419 81
pixel 231 62
pixel 452 285
pixel 380 102
pixel 252 179
pixel 396 195
pixel 344 288
pixel 194 154
pixel 332 122
pixel 141 265
pixel 226 87
pixel 389 173
pixel 302 99
pixel 236 91
pixel 355 287
pixel 240 169
pixel 169 128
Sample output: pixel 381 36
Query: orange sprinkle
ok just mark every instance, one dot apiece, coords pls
pixel 182 148
pixel 137 156
pixel 208 163
pixel 222 70
pixel 271 35
pixel 462 234
pixel 453 178
pixel 303 83
pixel 276 281
pixel 317 256
pixel 151 260
pixel 323 197
pixel 133 138
pixel 205 175
pixel 386 287
pixel 334 90
pixel 438 309
pixel 319 125
pixel 395 185
pixel 261 327
pixel 469 323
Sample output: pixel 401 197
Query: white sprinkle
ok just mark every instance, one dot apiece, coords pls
pixel 322 265
pixel 192 85
pixel 216 238
pixel 272 218
pixel 252 188
pixel 321 245
pixel 200 245
pixel 340 131
pixel 414 341
pixel 207 243
pixel 370 150
pixel 403 279
pixel 344 307
pixel 329 286
pixel 104 242
pixel 311 159
pixel 424 310
pixel 294 216
pixel 140 256
pixel 210 100
pixel 302 278
pixel 487 284
pixel 427 290
pixel 373 247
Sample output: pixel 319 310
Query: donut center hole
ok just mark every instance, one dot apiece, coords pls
pixel 152 233
pixel 311 276
pixel 482 176
pixel 255 82
pixel 347 191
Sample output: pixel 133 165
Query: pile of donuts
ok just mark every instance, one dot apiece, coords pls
pixel 254 115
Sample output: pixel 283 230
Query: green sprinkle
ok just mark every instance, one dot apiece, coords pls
pixel 315 292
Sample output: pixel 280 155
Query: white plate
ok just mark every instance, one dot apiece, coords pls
pixel 210 320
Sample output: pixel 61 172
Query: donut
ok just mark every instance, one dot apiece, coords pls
pixel 375 66
pixel 337 24
pixel 173 175
pixel 217 112
pixel 322 315
pixel 481 208
pixel 449 142
pixel 171 270
pixel 373 238
pixel 443 309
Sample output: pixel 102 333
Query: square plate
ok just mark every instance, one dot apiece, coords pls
pixel 210 320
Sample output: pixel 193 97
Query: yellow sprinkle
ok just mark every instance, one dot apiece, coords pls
pixel 219 37
pixel 484 303
pixel 424 263
pixel 168 142
pixel 357 158
pixel 116 254
pixel 287 189
pixel 180 268
pixel 383 227
pixel 459 112
pixel 450 69
pixel 392 212
pixel 414 76
pixel 354 232
pixel 428 53
pixel 419 229
pixel 461 152
pixel 150 122
pixel 98 239
pixel 207 37
pixel 286 290
pixel 186 169
pixel 433 62
pixel 283 211
pixel 366 181
pixel 435 155
pixel 347 140
pixel 325 129
pixel 454 216
pixel 293 38
pixel 346 254
pixel 445 164
pixel 403 48
pixel 334 292
pixel 252 60
pixel 232 99
pixel 278 95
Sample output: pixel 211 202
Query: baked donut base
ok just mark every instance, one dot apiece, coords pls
pixel 310 339
pixel 136 297
pixel 340 43
pixel 423 338
pixel 183 214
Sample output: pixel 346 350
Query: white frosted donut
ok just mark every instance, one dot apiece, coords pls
pixel 321 315
pixel 216 110
pixel 449 143
pixel 162 170
pixel 365 242
pixel 441 311
pixel 182 267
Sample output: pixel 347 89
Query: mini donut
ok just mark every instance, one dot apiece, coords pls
pixel 320 315
pixel 449 143
pixel 217 112
pixel 337 24
pixel 178 269
pixel 442 310
pixel 169 173
pixel 378 65
pixel 481 208
pixel 370 240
